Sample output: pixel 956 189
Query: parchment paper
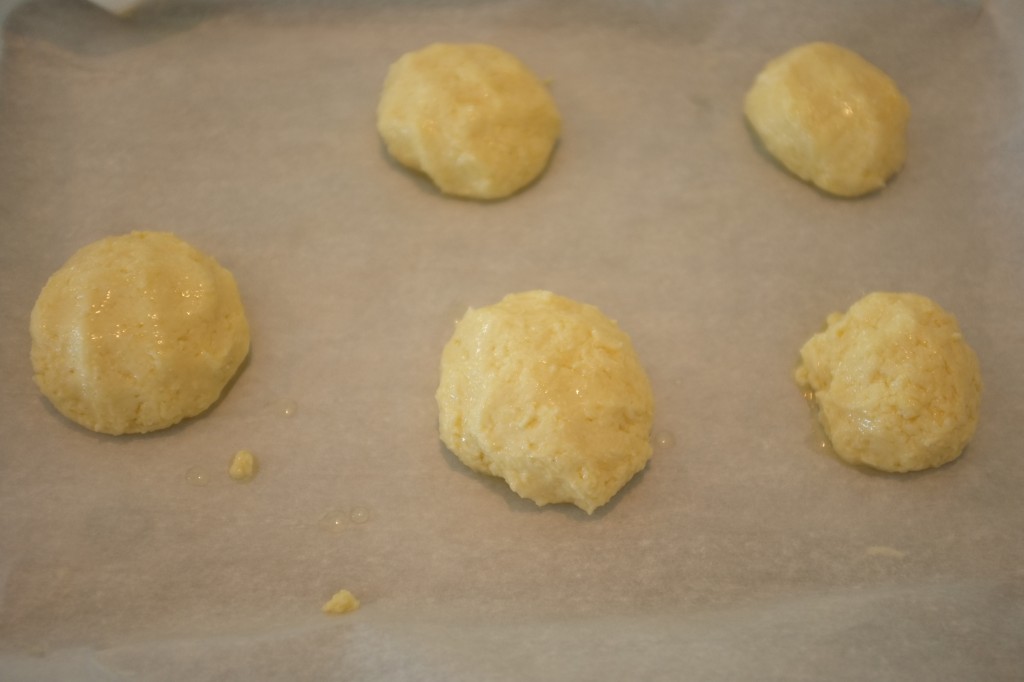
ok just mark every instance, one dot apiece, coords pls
pixel 745 551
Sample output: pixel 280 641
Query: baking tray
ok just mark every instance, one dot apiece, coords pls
pixel 744 551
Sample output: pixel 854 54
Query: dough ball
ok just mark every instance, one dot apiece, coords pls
pixel 831 118
pixel 137 332
pixel 896 386
pixel 471 117
pixel 548 394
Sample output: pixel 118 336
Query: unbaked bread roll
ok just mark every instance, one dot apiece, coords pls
pixel 896 386
pixel 471 117
pixel 137 332
pixel 548 394
pixel 831 118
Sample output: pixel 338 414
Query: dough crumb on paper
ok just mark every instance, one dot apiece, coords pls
pixel 243 466
pixel 895 384
pixel 831 117
pixel 342 602
pixel 548 394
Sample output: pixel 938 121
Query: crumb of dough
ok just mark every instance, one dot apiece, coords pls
pixel 471 117
pixel 243 466
pixel 343 601
pixel 830 117
pixel 895 384
pixel 548 394
pixel 137 332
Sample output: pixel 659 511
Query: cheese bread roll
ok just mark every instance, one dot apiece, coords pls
pixel 896 385
pixel 548 394
pixel 471 117
pixel 137 332
pixel 830 117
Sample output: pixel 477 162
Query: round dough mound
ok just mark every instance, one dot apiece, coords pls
pixel 472 117
pixel 548 394
pixel 831 118
pixel 136 333
pixel 896 386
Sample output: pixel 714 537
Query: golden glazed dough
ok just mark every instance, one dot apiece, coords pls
pixel 137 332
pixel 471 117
pixel 896 386
pixel 831 118
pixel 548 394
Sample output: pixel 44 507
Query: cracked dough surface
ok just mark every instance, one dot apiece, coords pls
pixel 472 117
pixel 137 332
pixel 548 394
pixel 831 117
pixel 896 385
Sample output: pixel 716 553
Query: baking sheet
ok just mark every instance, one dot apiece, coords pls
pixel 743 552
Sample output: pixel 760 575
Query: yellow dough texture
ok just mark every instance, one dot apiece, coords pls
pixel 137 332
pixel 896 386
pixel 548 394
pixel 243 466
pixel 830 117
pixel 340 603
pixel 472 117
